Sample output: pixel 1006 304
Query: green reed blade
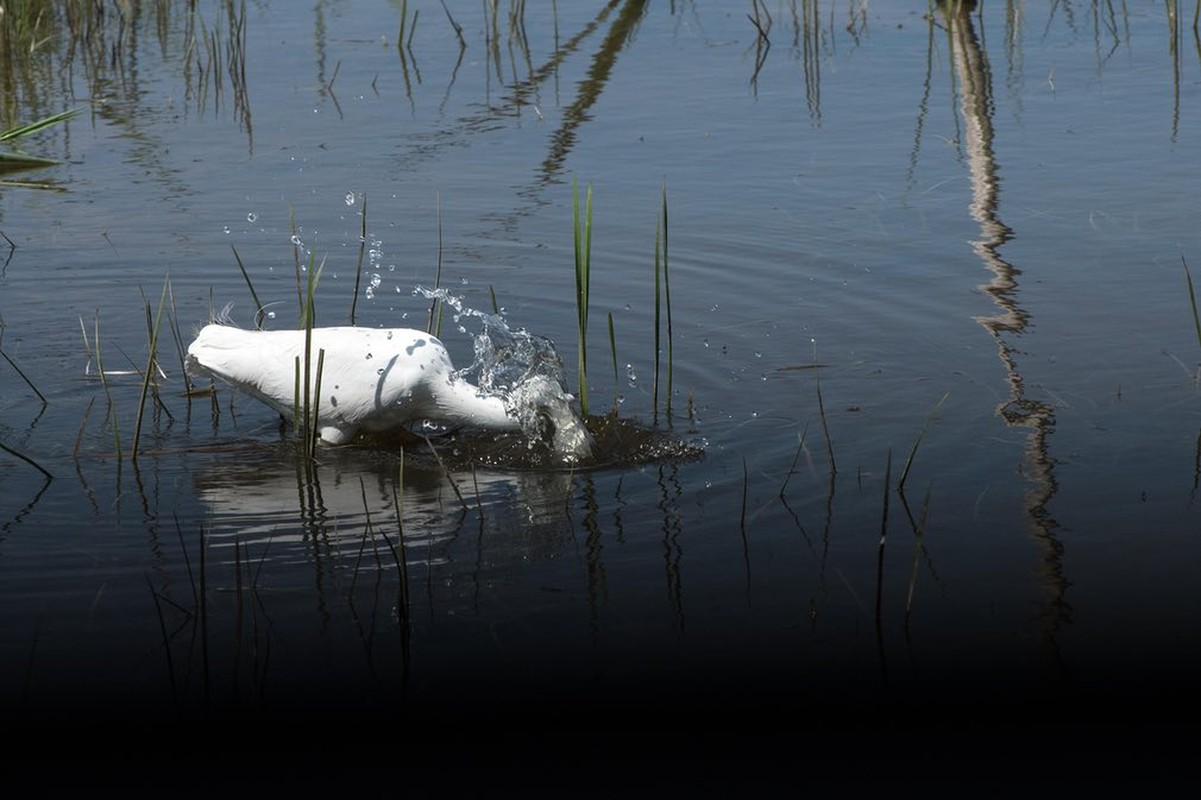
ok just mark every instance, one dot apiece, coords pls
pixel 667 301
pixel 151 367
pixel 582 239
pixel 613 353
pixel 258 314
pixel 913 450
pixel 658 325
pixel 433 324
pixel 358 272
pixel 1192 299
pixel 37 125
pixel 112 411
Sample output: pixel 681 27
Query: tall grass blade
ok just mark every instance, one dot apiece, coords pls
pixel 613 353
pixel 358 272
pixel 883 537
pixel 37 125
pixel 24 377
pixel 258 305
pixel 112 411
pixel 433 323
pixel 1192 299
pixel 658 316
pixel 449 478
pixel 27 460
pixel 151 368
pixel 667 301
pixel 821 411
pixel 921 433
pixel 582 239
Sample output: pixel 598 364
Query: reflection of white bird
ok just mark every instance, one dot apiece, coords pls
pixel 372 379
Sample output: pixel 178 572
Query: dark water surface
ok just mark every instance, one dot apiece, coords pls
pixel 974 222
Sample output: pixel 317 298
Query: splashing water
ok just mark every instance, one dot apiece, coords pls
pixel 525 371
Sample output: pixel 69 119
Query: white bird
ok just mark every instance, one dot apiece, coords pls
pixel 372 379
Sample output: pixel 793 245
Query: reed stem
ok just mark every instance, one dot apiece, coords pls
pixel 582 239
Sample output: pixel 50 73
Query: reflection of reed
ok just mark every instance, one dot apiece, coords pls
pixel 619 34
pixel 975 91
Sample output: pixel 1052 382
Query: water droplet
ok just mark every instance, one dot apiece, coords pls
pixel 369 356
pixel 463 281
pixel 706 341
pixel 389 334
pixel 270 315
pixel 296 240
pixel 758 354
pixel 252 217
pixel 630 375
pixel 375 280
pixel 225 228
pixel 379 371
pixel 350 198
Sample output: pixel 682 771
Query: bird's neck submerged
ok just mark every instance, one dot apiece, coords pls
pixel 463 401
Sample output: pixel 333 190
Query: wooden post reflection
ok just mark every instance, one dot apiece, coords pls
pixel 1018 410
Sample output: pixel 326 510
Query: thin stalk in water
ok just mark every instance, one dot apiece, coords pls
pixel 1192 298
pixel 913 450
pixel 433 324
pixel 358 272
pixel 112 411
pixel 258 314
pixel 821 411
pixel 151 368
pixel 308 320
pixel 667 300
pixel 24 377
pixel 613 353
pixel 27 460
pixel 582 239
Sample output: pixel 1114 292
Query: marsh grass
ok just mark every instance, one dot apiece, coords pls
pixel 920 435
pixel 149 374
pixel 433 323
pixel 1192 295
pixel 112 409
pixel 358 272
pixel 27 459
pixel 662 298
pixel 258 305
pixel 821 411
pixel 11 160
pixel 582 239
pixel 24 377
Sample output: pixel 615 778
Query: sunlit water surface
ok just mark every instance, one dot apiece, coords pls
pixel 933 431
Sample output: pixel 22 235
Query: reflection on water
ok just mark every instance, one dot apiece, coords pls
pixel 1019 410
pixel 462 566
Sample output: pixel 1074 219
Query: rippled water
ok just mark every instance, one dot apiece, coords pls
pixel 933 427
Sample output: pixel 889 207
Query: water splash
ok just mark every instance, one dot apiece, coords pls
pixel 525 371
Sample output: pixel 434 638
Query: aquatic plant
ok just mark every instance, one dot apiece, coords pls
pixel 1192 296
pixel 13 160
pixel 662 296
pixel 582 238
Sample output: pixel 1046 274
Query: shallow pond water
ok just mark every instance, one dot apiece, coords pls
pixel 930 327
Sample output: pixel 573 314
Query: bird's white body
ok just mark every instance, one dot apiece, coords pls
pixel 372 379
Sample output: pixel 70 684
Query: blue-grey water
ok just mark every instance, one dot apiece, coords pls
pixel 975 223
